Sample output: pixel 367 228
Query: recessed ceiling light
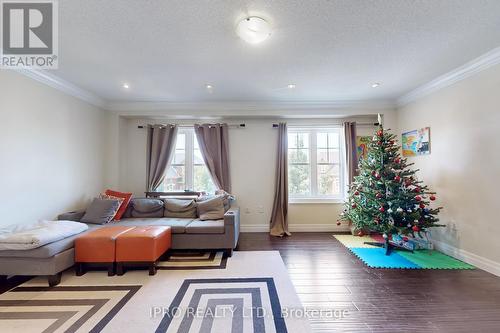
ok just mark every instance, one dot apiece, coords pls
pixel 375 85
pixel 253 29
pixel 291 86
pixel 209 86
pixel 125 85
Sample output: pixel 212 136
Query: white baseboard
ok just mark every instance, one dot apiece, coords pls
pixel 488 265
pixel 296 228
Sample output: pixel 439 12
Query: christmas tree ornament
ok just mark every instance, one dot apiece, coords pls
pixel 354 205
pixel 356 193
pixel 418 198
pixel 389 211
pixel 382 209
pixel 432 198
pixel 399 210
pixel 415 228
pixel 397 179
pixel 422 205
pixel 339 223
pixel 378 195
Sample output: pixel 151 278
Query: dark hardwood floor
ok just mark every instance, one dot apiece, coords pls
pixel 327 276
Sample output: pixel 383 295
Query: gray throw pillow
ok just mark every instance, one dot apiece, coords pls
pixel 211 209
pixel 145 207
pixel 180 208
pixel 101 211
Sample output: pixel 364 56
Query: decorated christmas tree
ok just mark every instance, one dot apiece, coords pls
pixel 386 196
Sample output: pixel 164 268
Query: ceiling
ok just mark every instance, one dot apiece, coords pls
pixel 168 50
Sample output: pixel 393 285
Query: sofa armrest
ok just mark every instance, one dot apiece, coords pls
pixel 232 216
pixel 72 216
pixel 232 227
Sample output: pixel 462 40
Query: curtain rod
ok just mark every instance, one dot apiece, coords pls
pixel 186 126
pixel 325 125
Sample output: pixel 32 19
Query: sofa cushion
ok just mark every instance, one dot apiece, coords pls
pixel 126 200
pixel 205 227
pixel 101 211
pixel 178 225
pixel 180 208
pixel 145 207
pixel 211 209
pixel 48 250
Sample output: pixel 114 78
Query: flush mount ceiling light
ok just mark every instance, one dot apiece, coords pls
pixel 291 86
pixel 125 86
pixel 375 85
pixel 253 29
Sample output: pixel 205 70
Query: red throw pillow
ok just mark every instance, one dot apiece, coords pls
pixel 126 199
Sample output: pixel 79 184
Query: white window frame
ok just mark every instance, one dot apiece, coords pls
pixel 314 197
pixel 188 158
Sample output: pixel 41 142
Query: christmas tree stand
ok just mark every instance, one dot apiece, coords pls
pixel 389 246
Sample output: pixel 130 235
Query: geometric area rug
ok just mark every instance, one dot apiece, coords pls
pixel 252 294
pixel 375 257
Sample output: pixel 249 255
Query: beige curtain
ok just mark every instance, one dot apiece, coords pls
pixel 214 146
pixel 279 222
pixel 160 147
pixel 350 150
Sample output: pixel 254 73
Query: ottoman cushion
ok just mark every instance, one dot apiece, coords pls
pixel 143 244
pixel 98 245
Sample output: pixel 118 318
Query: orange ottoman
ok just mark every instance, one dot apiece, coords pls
pixel 142 245
pixel 98 247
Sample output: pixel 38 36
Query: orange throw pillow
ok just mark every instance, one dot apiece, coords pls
pixel 123 207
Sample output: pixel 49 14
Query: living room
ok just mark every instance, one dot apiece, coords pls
pixel 233 154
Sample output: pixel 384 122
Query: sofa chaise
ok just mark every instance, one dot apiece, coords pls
pixel 187 233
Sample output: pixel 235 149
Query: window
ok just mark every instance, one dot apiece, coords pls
pixel 314 167
pixel 187 170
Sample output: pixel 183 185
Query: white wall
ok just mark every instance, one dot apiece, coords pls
pixel 52 148
pixel 464 164
pixel 252 164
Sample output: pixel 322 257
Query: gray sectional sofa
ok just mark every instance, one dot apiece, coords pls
pixel 187 233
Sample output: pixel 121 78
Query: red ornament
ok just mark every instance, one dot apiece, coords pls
pixel 418 198
pixel 380 133
pixel 360 233
pixel 382 209
pixel 405 239
pixel 378 195
pixel 377 176
pixel 397 160
pixel 339 223
pixel 432 198
pixel 391 142
pixel 422 205
pixel 354 205
pixel 374 173
pixel 356 193
pixel 417 190
pixel 407 182
pixel 397 179
pixel 415 228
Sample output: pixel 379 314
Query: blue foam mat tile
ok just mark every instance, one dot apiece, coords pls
pixel 376 258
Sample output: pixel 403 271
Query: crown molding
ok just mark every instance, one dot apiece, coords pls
pixel 470 68
pixel 62 85
pixel 245 108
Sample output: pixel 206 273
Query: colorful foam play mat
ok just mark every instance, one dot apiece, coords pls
pixel 375 257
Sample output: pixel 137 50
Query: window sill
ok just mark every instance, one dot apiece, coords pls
pixel 302 201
